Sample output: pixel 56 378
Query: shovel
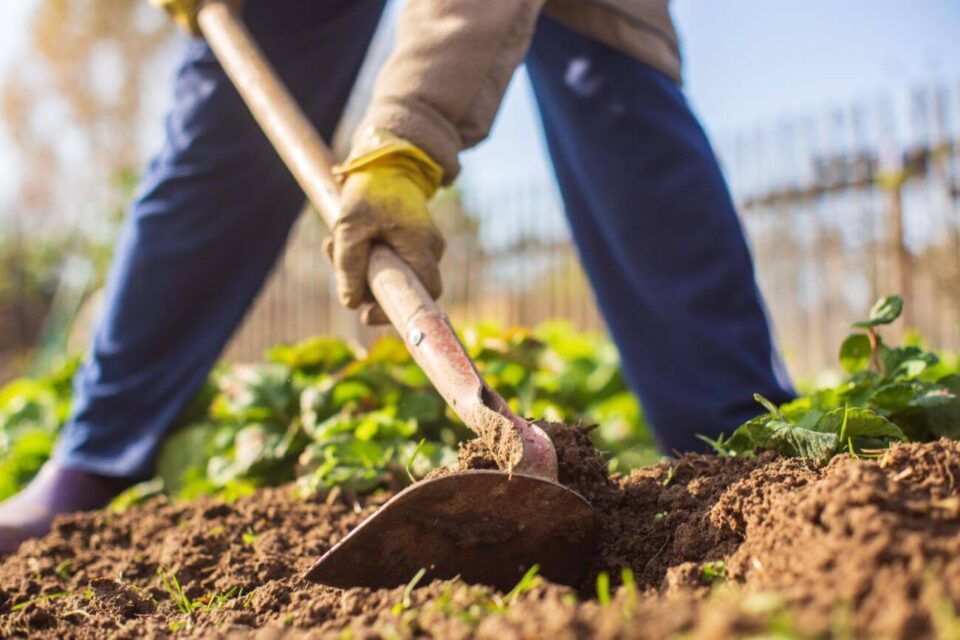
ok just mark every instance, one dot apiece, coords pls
pixel 488 527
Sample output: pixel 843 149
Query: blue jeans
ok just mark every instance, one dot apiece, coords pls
pixel 647 204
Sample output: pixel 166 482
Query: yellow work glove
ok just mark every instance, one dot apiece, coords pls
pixel 386 184
pixel 184 12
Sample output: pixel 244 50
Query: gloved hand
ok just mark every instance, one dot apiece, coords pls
pixel 386 184
pixel 184 12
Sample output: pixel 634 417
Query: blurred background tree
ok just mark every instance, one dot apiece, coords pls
pixel 75 104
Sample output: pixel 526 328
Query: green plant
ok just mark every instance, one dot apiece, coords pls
pixel 892 394
pixel 38 599
pixel 211 601
pixel 630 591
pixel 405 601
pixel 327 414
pixel 172 586
pixel 713 572
pixel 31 413
pixel 63 569
pixel 603 588
pixel 530 580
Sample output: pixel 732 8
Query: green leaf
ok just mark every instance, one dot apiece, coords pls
pixel 26 405
pixel 894 396
pixel 785 437
pixel 855 353
pixel 934 395
pixel 884 311
pixel 350 392
pixel 137 494
pixel 260 393
pixel 906 362
pixel 23 460
pixel 388 350
pixel 424 407
pixel 184 449
pixel 860 423
pixel 713 572
pixel 314 354
pixel 943 420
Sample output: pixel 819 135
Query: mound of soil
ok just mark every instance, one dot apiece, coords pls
pixel 717 547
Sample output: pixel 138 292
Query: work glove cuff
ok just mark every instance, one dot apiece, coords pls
pixel 184 12
pixel 382 149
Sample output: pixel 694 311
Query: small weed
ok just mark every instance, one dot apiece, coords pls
pixel 660 516
pixel 671 474
pixel 216 531
pixel 720 446
pixel 217 601
pixel 853 454
pixel 212 601
pixel 530 580
pixel 713 572
pixel 177 625
pixel 172 586
pixel 413 457
pixel 63 569
pixel 76 612
pixel 630 589
pixel 405 602
pixel 603 588
pixel 38 599
pixel 249 537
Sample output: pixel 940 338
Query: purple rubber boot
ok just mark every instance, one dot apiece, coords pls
pixel 55 490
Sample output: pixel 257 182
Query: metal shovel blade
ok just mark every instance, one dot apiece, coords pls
pixel 488 527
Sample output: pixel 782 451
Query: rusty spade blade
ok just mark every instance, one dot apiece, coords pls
pixel 487 527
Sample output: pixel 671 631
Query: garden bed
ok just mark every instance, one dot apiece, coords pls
pixel 715 547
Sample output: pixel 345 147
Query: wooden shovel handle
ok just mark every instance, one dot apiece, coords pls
pixel 427 333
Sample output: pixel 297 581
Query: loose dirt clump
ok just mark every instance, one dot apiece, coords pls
pixel 716 548
pixel 869 540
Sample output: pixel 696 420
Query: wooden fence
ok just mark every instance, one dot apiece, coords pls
pixel 839 209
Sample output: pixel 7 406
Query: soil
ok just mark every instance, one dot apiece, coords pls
pixel 503 443
pixel 717 547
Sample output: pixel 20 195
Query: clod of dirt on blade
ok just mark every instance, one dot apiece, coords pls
pixel 486 526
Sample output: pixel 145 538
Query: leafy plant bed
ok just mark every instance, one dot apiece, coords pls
pixel 704 545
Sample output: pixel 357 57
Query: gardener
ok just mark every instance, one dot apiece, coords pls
pixel 645 199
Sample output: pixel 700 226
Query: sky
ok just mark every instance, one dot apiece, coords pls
pixel 746 61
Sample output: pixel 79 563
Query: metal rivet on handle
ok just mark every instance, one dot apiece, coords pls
pixel 415 337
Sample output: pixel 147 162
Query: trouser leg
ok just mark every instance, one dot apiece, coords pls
pixel 211 216
pixel 658 236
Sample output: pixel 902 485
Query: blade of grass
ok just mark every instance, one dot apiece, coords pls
pixel 603 588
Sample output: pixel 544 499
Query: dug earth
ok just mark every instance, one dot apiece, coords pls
pixel 715 547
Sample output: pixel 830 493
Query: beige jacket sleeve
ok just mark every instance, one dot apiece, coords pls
pixel 444 81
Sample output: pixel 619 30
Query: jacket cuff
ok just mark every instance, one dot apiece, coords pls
pixel 420 124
